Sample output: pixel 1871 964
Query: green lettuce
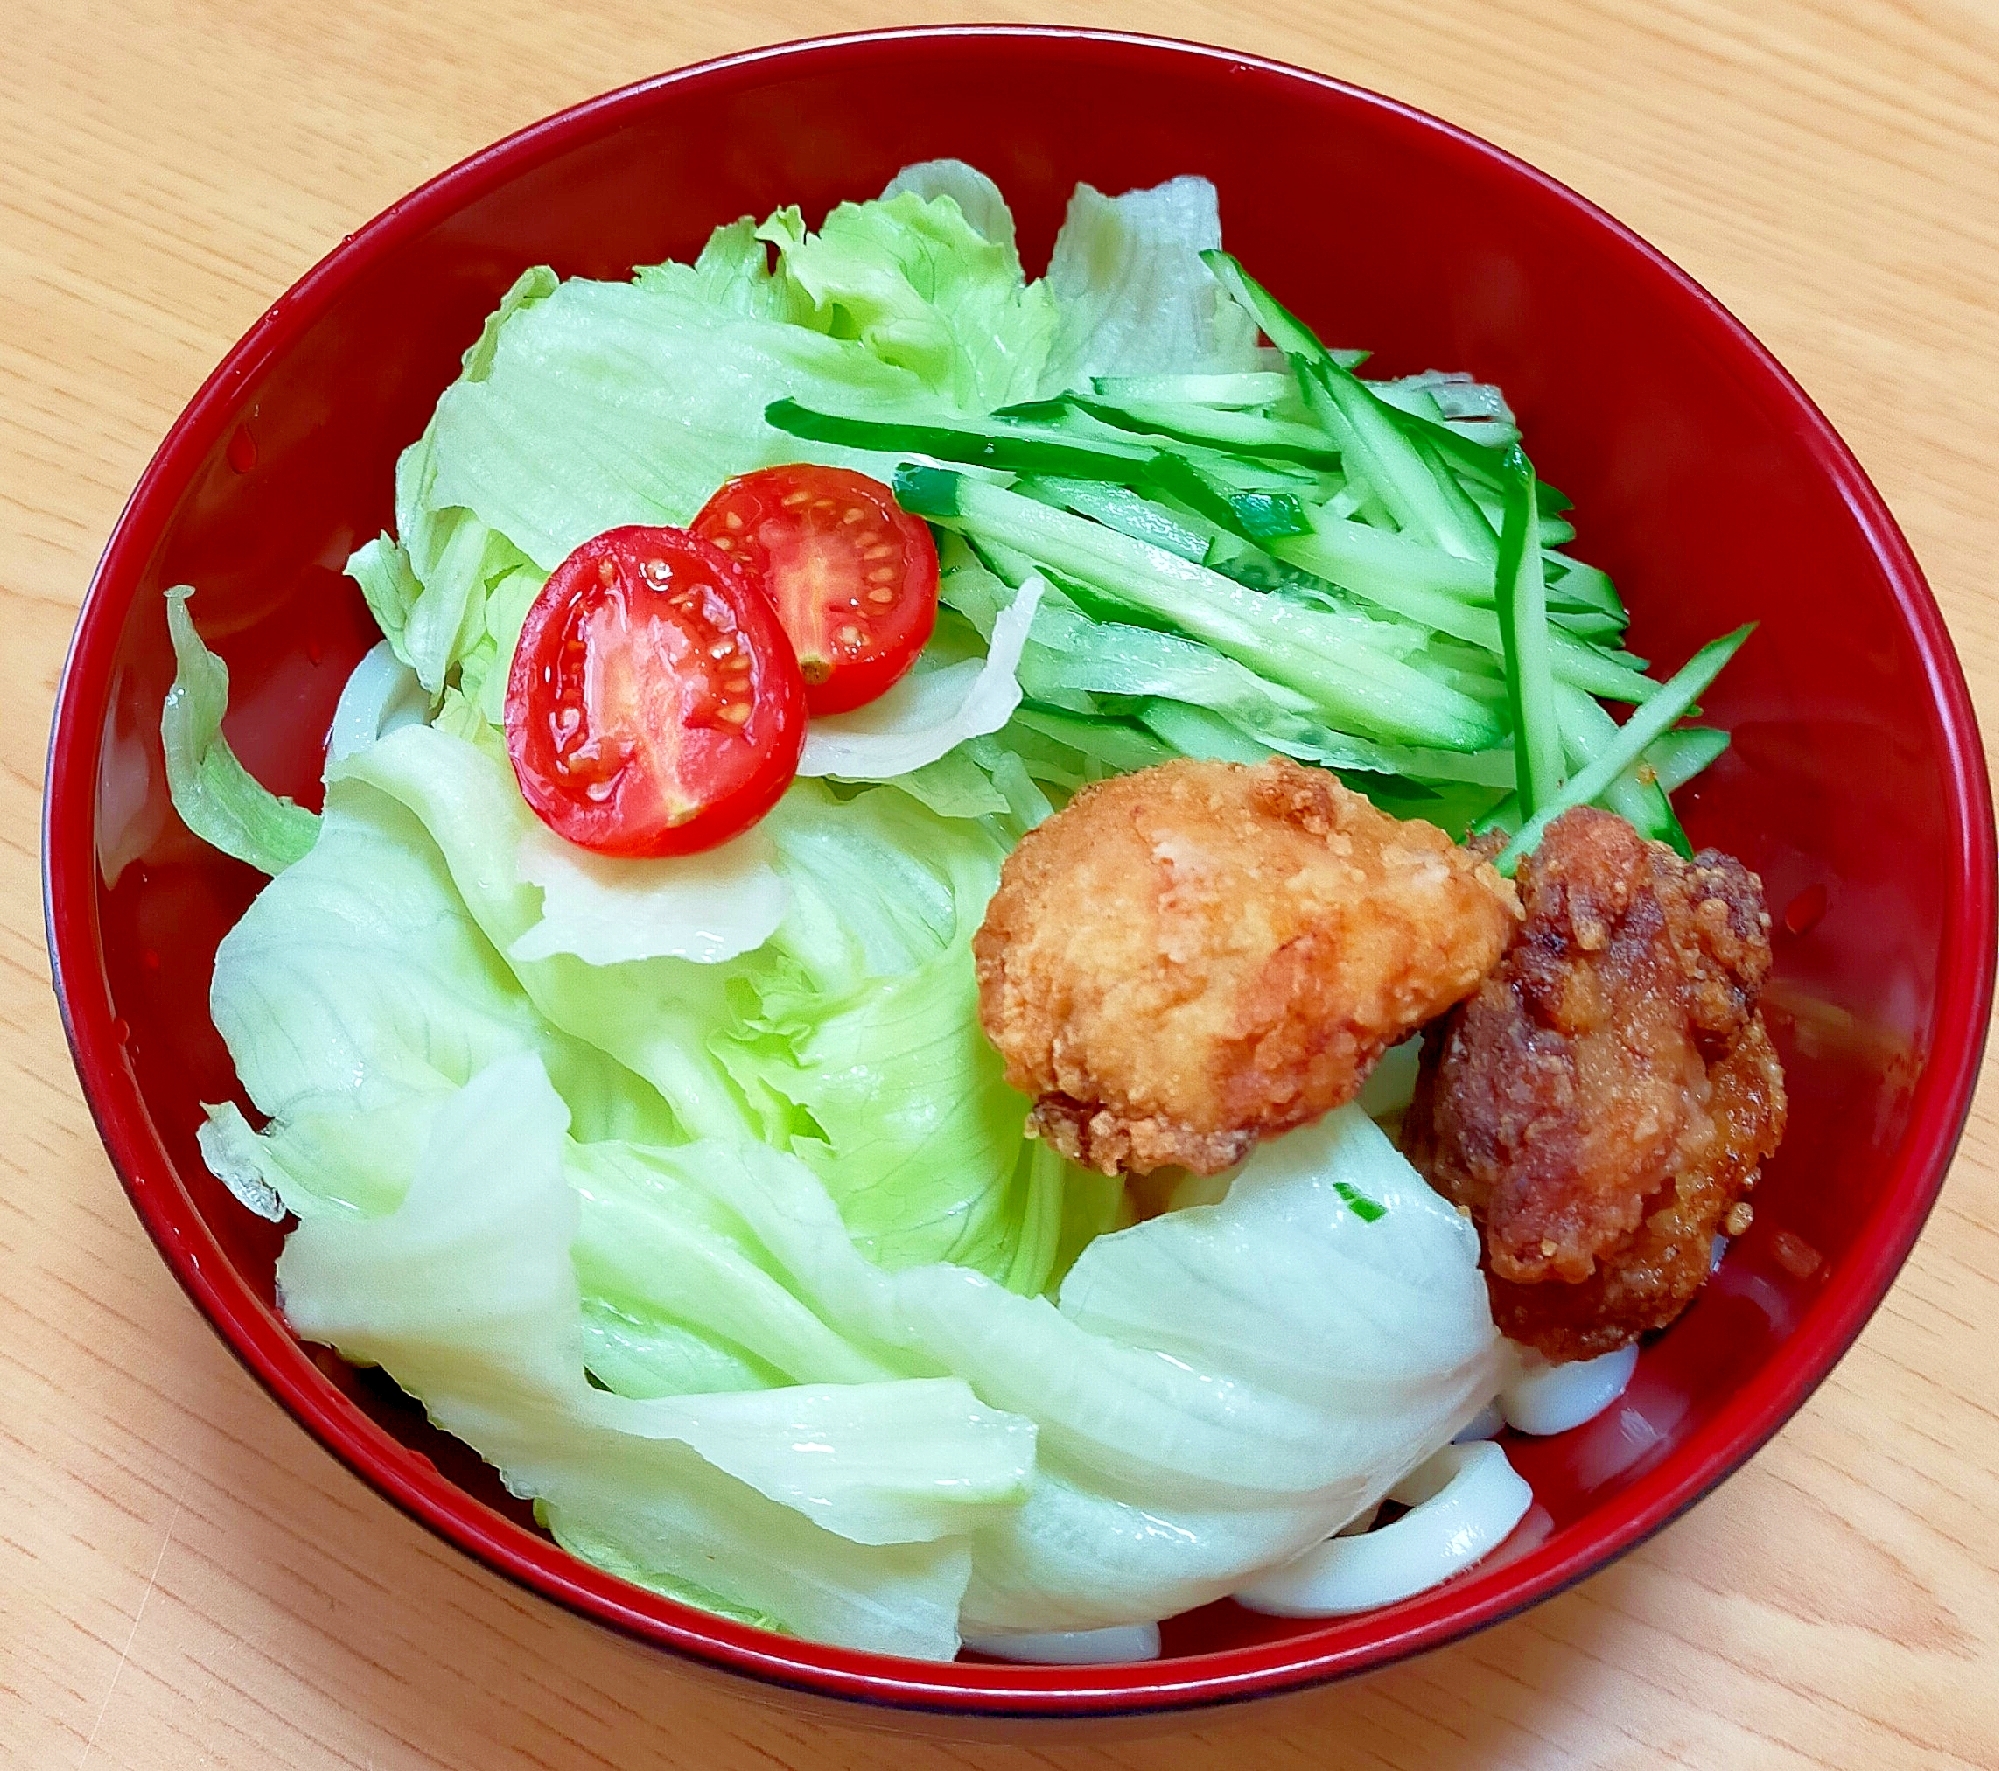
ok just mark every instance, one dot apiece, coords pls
pixel 1135 297
pixel 217 797
pixel 835 1509
pixel 923 288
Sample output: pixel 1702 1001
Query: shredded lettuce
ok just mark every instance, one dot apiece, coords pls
pixel 830 1508
pixel 526 450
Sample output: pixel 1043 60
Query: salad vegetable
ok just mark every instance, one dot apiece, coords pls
pixel 684 1186
pixel 654 703
pixel 854 576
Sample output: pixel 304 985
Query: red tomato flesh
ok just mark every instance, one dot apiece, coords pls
pixel 852 574
pixel 654 706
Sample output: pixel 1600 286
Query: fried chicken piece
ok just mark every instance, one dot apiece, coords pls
pixel 1604 1101
pixel 1199 954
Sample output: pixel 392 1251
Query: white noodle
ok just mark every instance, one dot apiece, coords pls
pixel 1546 1398
pixel 1120 1642
pixel 1488 1423
pixel 1462 1502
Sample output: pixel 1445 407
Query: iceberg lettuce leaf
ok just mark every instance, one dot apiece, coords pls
pixel 614 403
pixel 466 1294
pixel 918 284
pixel 1135 297
pixel 216 797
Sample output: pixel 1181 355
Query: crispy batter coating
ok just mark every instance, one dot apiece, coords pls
pixel 1190 957
pixel 1604 1101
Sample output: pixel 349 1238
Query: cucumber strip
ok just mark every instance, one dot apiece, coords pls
pixel 1475 451
pixel 1675 758
pixel 1194 731
pixel 1249 564
pixel 1240 433
pixel 1350 547
pixel 1682 753
pixel 1419 401
pixel 1477 459
pixel 1324 656
pixel 1477 768
pixel 983 443
pixel 1114 743
pixel 1423 498
pixel 1575 661
pixel 1526 643
pixel 1120 508
pixel 1218 737
pixel 1636 795
pixel 1675 696
pixel 1553 530
pixel 1282 327
pixel 1504 817
pixel 1404 471
pixel 1586 624
pixel 1254 515
pixel 1454 393
pixel 1249 388
pixel 1297 340
pixel 1472 445
pixel 1582 584
pixel 1244 472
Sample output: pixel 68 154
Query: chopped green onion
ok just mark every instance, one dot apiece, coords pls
pixel 1366 1209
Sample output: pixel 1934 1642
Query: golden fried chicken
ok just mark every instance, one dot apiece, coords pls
pixel 1602 1104
pixel 1199 954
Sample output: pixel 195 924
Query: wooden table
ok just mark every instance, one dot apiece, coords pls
pixel 186 1580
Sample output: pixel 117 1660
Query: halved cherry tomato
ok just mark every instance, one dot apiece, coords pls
pixel 654 706
pixel 853 575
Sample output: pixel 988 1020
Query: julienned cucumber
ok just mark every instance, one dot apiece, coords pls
pixel 1340 553
pixel 976 442
pixel 1241 433
pixel 1519 595
pixel 1256 514
pixel 1399 465
pixel 1674 698
pixel 1639 794
pixel 1401 468
pixel 1327 657
pixel 1241 391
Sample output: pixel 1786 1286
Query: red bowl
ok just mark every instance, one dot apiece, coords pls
pixel 1704 479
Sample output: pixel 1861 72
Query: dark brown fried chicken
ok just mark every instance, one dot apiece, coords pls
pixel 1603 1103
pixel 1190 957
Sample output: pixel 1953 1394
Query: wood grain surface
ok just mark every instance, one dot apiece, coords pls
pixel 186 1580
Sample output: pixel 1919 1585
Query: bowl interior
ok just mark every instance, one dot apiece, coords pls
pixel 1703 482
